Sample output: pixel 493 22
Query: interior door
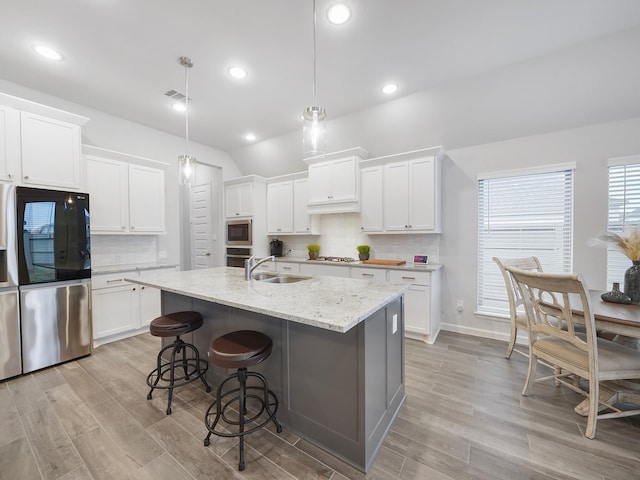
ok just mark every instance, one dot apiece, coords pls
pixel 202 242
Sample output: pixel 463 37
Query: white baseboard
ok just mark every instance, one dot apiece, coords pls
pixel 479 332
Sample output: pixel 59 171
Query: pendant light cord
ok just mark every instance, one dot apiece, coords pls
pixel 314 53
pixel 187 63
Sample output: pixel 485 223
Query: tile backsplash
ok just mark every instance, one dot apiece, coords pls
pixel 109 250
pixel 341 234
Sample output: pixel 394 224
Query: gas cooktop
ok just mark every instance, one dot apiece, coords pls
pixel 334 259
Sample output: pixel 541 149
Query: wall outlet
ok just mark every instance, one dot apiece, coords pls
pixel 459 306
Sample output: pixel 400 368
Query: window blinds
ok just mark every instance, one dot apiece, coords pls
pixel 624 213
pixel 522 216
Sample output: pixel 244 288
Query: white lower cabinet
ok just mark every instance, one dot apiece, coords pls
pixel 120 308
pixel 284 267
pixel 422 303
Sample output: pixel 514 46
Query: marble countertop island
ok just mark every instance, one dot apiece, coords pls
pixel 330 303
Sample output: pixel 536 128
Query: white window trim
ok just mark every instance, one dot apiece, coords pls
pixel 558 167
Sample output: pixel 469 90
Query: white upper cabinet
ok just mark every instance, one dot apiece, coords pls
pixel 50 152
pixel 303 222
pixel 242 197
pixel 9 143
pixel 401 193
pixel 371 201
pixel 146 200
pixel 125 198
pixel 280 208
pixel 107 185
pixel 39 145
pixel 334 182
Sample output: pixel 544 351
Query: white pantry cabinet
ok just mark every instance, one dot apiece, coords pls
pixel 334 182
pixel 280 208
pixel 125 198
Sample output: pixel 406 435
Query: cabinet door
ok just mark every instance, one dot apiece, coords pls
pixel 280 207
pixel 301 219
pixel 422 194
pixel 9 143
pixel 366 273
pixel 344 180
pixel 108 189
pixel 146 200
pixel 416 309
pixel 371 199
pixel 324 269
pixel 319 183
pixel 114 310
pixel 50 151
pixel 396 197
pixel 239 200
pixel 150 304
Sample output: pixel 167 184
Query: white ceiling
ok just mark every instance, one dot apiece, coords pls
pixel 121 56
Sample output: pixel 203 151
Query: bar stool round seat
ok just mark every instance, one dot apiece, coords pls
pixel 180 369
pixel 241 349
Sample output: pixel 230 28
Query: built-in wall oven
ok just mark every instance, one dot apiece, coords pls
pixel 237 255
pixel 239 232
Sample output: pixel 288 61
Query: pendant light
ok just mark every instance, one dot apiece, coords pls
pixel 314 141
pixel 187 162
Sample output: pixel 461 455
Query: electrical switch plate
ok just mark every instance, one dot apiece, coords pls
pixel 459 305
pixel 394 327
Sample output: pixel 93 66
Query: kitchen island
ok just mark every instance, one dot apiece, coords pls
pixel 337 364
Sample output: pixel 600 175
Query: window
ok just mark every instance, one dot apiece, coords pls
pixel 624 211
pixel 522 215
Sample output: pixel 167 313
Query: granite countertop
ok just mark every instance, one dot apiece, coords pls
pixel 331 303
pixel 407 266
pixel 128 268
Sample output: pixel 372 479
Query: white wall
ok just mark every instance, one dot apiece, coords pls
pixel 120 135
pixel 589 147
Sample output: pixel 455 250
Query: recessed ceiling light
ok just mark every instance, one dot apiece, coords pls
pixel 237 72
pixel 179 107
pixel 250 137
pixel 390 88
pixel 339 13
pixel 47 52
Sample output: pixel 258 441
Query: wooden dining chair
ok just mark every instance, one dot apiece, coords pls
pixel 551 301
pixel 516 307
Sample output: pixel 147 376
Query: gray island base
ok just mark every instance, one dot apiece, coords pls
pixel 340 390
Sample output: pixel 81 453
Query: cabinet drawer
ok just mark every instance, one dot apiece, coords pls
pixel 109 280
pixel 369 273
pixel 288 267
pixel 405 276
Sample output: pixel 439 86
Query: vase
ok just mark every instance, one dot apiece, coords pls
pixel 313 255
pixel 615 295
pixel 632 282
pixel 363 256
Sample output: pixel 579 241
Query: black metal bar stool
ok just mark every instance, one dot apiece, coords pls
pixel 167 375
pixel 241 349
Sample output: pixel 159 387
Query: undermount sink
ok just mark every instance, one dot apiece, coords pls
pixel 275 278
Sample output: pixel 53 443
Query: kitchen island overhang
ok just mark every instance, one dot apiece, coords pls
pixel 337 364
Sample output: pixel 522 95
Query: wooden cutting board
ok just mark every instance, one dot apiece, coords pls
pixel 384 262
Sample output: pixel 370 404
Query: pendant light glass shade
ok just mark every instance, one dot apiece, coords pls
pixel 314 130
pixel 187 162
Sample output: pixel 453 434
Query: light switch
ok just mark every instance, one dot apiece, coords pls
pixel 394 327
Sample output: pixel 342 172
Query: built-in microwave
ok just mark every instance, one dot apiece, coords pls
pixel 239 232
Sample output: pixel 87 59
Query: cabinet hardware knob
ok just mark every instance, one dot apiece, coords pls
pixel 132 227
pixel 133 289
pixel 208 254
pixel 26 177
pixel 10 175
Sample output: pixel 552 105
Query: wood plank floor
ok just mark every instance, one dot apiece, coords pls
pixel 464 418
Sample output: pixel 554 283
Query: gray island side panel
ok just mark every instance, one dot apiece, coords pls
pixel 341 391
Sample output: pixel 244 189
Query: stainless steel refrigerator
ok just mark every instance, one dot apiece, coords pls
pixel 54 276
